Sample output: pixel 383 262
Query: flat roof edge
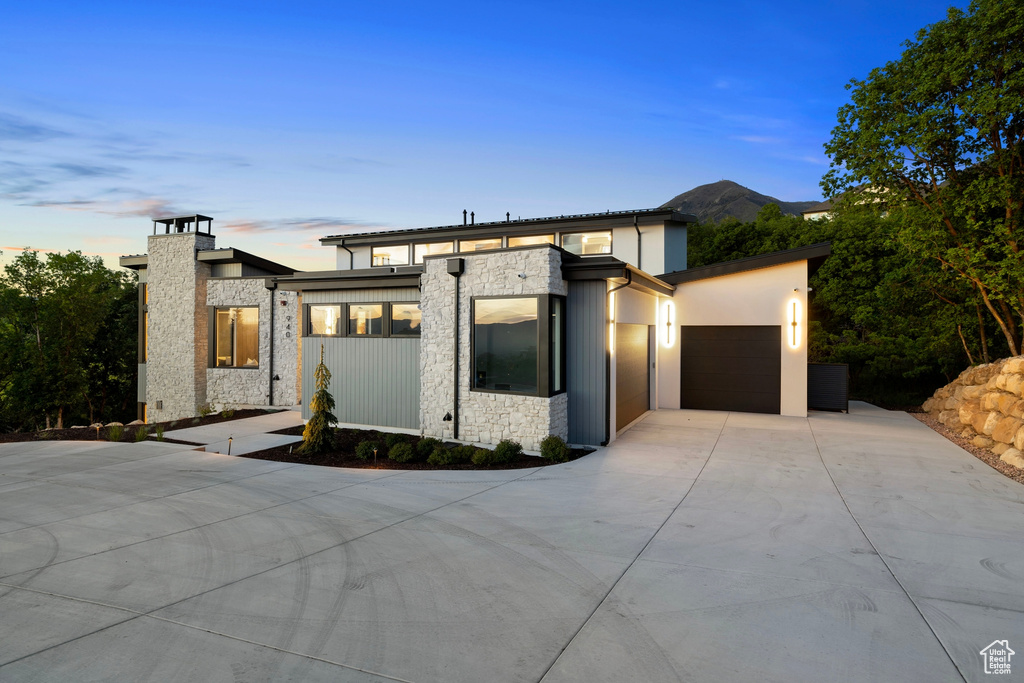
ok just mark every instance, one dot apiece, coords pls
pixel 814 254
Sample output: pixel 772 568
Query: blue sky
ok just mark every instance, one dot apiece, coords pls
pixel 288 123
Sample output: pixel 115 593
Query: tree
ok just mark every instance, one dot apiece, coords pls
pixel 937 135
pixel 68 340
pixel 316 437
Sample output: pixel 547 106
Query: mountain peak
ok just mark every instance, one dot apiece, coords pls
pixel 716 201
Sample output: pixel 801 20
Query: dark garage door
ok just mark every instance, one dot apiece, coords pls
pixel 731 367
pixel 632 373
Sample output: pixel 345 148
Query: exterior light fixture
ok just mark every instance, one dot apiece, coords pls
pixel 795 315
pixel 611 337
pixel 229 444
pixel 668 314
pixel 611 306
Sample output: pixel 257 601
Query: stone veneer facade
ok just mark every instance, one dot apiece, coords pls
pixel 176 363
pixel 484 417
pixel 231 387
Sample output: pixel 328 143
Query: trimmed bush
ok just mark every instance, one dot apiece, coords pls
pixel 554 449
pixel 483 457
pixel 444 457
pixel 364 451
pixel 506 451
pixel 402 452
pixel 392 440
pixel 426 446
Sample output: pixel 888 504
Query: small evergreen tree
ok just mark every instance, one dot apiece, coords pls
pixel 317 437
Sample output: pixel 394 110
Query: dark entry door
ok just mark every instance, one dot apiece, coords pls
pixel 725 367
pixel 632 373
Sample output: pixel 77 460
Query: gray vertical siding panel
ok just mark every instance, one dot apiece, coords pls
pixel 585 360
pixel 338 296
pixel 374 381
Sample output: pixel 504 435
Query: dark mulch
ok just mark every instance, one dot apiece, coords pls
pixel 983 454
pixel 346 440
pixel 128 432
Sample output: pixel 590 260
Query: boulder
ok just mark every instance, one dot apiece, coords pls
pixel 1006 429
pixel 115 424
pixel 136 422
pixel 96 425
pixel 982 441
pixel 968 411
pixel 1005 403
pixel 1018 440
pixel 973 392
pixel 1014 365
pixel 990 401
pixel 990 423
pixel 1013 457
pixel 1014 384
pixel 1000 448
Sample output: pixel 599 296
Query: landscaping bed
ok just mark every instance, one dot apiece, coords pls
pixel 347 441
pixel 130 433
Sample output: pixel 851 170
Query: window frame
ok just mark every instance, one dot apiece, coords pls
pixel 545 381
pixel 390 320
pixel 419 262
pixel 500 239
pixel 509 238
pixel 211 339
pixel 408 255
pixel 611 241
pixel 342 329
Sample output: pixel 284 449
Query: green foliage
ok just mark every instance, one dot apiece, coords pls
pixel 141 433
pixel 68 331
pixel 483 457
pixel 204 410
pixel 402 452
pixel 317 436
pixel 365 449
pixel 115 433
pixel 426 446
pixel 505 452
pixel 159 431
pixel 553 448
pixel 227 414
pixel 447 457
pixel 935 137
pixel 392 439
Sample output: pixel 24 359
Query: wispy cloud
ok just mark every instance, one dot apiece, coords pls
pixel 16 128
pixel 760 139
pixel 320 225
pixel 125 208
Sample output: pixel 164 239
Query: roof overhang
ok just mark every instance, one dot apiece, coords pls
pixel 814 254
pixel 366 278
pixel 212 256
pixel 619 272
pixel 529 226
pixel 136 262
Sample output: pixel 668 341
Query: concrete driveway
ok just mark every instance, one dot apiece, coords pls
pixel 701 546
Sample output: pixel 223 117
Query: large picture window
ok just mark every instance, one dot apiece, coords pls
pixel 324 321
pixel 397 255
pixel 519 345
pixel 237 337
pixel 405 320
pixel 365 320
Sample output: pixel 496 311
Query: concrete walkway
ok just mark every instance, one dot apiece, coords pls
pixel 699 547
pixel 247 435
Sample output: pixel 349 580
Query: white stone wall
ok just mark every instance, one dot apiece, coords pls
pixel 231 387
pixel 484 417
pixel 176 364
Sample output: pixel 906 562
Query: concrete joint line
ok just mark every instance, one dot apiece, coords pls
pixel 882 557
pixel 632 562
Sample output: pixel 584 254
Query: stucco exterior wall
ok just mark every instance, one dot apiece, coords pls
pixel 176 364
pixel 484 417
pixel 230 387
pixel 756 297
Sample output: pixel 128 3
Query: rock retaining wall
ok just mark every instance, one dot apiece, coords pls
pixel 986 404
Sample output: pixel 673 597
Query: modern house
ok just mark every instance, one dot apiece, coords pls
pixel 477 332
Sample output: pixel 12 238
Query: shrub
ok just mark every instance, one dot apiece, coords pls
pixel 402 452
pixel 553 448
pixel 445 457
pixel 204 410
pixel 392 440
pixel 506 451
pixel 141 433
pixel 160 432
pixel 115 433
pixel 227 414
pixel 427 446
pixel 364 451
pixel 483 457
